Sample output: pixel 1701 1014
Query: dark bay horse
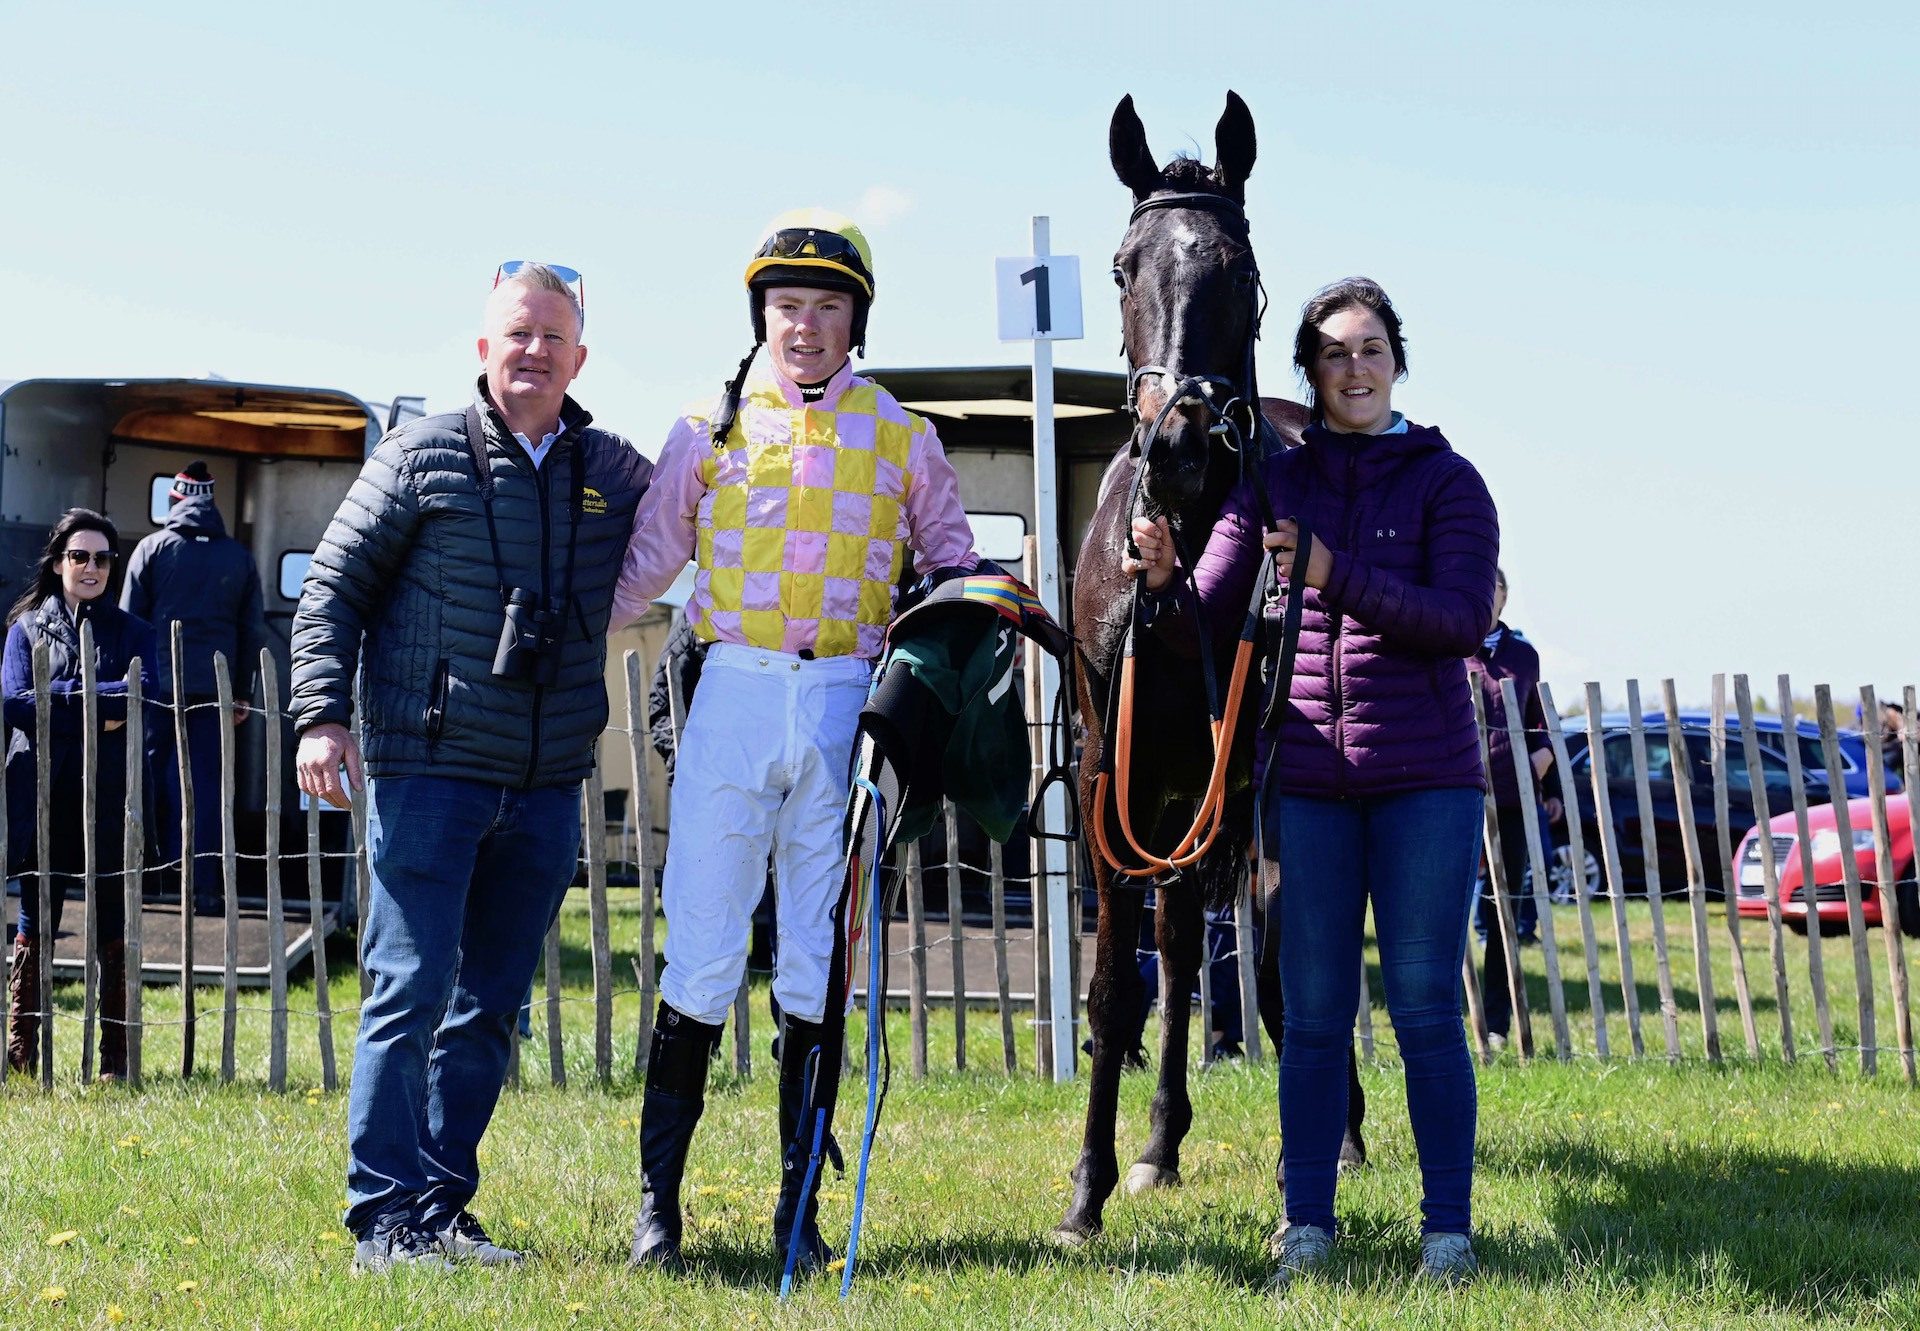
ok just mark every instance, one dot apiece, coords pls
pixel 1190 306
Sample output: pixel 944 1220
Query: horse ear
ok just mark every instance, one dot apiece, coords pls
pixel 1127 148
pixel 1234 146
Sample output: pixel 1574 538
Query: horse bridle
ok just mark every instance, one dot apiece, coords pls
pixel 1224 717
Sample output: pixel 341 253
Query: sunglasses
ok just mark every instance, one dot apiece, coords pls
pixel 807 243
pixel 93 558
pixel 571 276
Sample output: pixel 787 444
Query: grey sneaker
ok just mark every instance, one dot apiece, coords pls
pixel 1299 1248
pixel 463 1240
pixel 1447 1259
pixel 396 1246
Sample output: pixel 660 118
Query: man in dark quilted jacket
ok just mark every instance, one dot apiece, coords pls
pixel 468 577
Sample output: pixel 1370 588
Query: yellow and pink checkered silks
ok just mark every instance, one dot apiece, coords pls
pixel 800 520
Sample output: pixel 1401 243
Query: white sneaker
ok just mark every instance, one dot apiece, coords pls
pixel 1447 1259
pixel 1300 1249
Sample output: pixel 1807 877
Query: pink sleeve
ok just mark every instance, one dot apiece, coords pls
pixel 662 539
pixel 937 526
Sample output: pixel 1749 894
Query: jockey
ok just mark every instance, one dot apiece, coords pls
pixel 798 497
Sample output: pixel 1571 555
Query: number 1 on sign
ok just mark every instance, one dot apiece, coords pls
pixel 1042 297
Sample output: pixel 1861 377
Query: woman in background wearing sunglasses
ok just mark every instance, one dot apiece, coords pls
pixel 70 588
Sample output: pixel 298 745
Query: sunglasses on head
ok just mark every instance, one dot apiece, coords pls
pixel 571 276
pixel 93 558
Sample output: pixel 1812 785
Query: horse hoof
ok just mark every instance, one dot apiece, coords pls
pixel 1065 1235
pixel 1144 1177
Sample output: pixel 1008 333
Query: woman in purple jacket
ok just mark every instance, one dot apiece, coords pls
pixel 1376 785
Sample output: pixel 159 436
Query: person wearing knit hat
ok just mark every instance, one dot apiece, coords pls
pixel 191 572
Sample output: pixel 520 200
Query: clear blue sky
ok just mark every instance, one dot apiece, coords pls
pixel 1657 261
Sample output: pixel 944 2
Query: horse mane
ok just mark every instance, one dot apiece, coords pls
pixel 1190 175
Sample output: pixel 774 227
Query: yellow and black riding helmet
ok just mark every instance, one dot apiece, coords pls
pixel 812 247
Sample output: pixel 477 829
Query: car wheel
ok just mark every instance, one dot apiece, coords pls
pixel 1797 923
pixel 1907 895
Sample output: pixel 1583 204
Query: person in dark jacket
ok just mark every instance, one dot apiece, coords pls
pixel 192 573
pixel 1505 654
pixel 1372 782
pixel 468 576
pixel 71 588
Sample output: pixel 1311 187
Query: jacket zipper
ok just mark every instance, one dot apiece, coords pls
pixel 437 705
pixel 541 489
pixel 1339 638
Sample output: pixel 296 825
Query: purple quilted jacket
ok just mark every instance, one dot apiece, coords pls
pixel 1380 700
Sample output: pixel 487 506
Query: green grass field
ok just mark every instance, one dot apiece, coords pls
pixel 1628 1194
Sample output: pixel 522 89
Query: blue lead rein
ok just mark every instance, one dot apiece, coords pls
pixel 876 943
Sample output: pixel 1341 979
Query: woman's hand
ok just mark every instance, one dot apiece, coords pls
pixel 1155 542
pixel 1284 542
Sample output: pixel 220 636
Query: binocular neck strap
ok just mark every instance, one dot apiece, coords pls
pixel 483 476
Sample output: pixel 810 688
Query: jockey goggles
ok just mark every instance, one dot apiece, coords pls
pixel 811 247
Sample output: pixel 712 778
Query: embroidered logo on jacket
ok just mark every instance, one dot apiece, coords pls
pixel 592 502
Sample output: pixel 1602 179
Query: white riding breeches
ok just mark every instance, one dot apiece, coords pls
pixel 761 776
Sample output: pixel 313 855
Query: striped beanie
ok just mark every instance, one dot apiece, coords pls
pixel 193 481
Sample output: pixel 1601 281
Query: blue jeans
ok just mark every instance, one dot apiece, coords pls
pixel 1413 855
pixel 467 879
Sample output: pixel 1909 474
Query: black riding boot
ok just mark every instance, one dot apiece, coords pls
pixel 23 1003
pixel 676 1093
pixel 800 1201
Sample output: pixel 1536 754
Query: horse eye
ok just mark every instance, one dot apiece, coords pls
pixel 1119 279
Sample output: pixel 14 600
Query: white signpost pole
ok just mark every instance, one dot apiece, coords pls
pixel 1044 306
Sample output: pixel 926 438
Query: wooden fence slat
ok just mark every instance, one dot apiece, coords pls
pixel 1244 955
pixel 1498 889
pixel 1816 961
pixel 1650 866
pixel 595 823
pixel 1002 979
pixel 1769 865
pixel 276 886
pixel 1476 1009
pixel 1723 846
pixel 742 1029
pixel 133 858
pixel 89 847
pixel 1577 860
pixel 1363 1019
pixel 556 1050
pixel 43 839
pixel 1885 877
pixel 317 928
pixel 1850 880
pixel 916 958
pixel 1537 861
pixel 956 937
pixel 1681 756
pixel 229 873
pixel 642 805
pixel 1910 778
pixel 11 950
pixel 1610 860
pixel 177 705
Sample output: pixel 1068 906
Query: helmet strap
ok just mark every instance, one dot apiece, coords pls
pixel 723 419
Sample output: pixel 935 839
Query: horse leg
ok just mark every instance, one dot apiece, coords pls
pixel 1180 933
pixel 1113 992
pixel 1273 1018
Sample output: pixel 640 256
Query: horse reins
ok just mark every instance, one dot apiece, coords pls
pixel 1115 774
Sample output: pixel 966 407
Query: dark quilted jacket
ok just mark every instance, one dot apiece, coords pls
pixel 192 571
pixel 406 561
pixel 1380 700
pixel 1511 657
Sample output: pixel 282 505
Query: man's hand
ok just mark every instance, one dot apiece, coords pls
pixel 323 748
pixel 111 725
pixel 1555 809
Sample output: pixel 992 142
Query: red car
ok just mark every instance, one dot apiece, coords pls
pixel 1782 837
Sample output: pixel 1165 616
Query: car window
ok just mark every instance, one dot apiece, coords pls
pixel 1620 758
pixel 1773 768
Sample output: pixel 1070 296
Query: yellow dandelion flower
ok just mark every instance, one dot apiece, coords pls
pixel 188 1241
pixel 576 1308
pixel 186 1287
pixel 837 1264
pixel 116 1314
pixel 130 1210
pixel 53 1294
pixel 63 1238
pixel 519 1222
pixel 1223 1146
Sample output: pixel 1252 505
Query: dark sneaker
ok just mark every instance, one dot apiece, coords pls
pixel 463 1240
pixel 1300 1249
pixel 396 1246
